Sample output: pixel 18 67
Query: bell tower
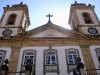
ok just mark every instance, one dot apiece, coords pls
pixel 84 19
pixel 14 20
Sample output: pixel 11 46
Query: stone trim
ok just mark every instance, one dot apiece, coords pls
pixel 84 46
pixel 16 47
pixel 44 70
pixel 34 65
pixel 67 58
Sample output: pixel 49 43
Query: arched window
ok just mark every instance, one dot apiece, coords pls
pixel 2 56
pixel 28 54
pixel 50 60
pixel 87 18
pixel 71 57
pixel 11 19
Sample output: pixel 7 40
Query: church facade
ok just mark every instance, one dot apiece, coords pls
pixel 53 50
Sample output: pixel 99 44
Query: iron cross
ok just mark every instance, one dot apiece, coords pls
pixel 49 16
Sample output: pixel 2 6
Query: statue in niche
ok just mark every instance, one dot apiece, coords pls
pixel 50 32
pixel 11 21
pixel 87 20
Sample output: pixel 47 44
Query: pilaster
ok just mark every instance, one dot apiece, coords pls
pixel 88 61
pixel 14 57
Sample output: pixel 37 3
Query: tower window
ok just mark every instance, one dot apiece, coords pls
pixel 11 19
pixel 87 18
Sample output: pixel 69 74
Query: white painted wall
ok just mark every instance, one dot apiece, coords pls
pixel 62 57
pixel 39 58
pixel 94 56
pixel 51 74
pixel 17 22
pixel 8 52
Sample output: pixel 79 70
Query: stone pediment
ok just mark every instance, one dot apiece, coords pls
pixel 50 30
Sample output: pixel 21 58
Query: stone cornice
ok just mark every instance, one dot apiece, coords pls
pixel 82 42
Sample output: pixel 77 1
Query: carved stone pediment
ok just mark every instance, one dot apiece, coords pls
pixel 51 30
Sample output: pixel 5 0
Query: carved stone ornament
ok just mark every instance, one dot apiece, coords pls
pixel 50 33
pixel 6 32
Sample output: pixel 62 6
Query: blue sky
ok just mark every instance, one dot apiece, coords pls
pixel 38 9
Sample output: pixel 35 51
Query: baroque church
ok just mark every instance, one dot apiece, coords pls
pixel 51 49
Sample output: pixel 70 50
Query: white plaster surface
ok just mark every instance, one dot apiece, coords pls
pixel 94 56
pixel 8 52
pixel 39 58
pixel 51 74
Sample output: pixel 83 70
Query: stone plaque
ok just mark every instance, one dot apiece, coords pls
pixel 6 32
